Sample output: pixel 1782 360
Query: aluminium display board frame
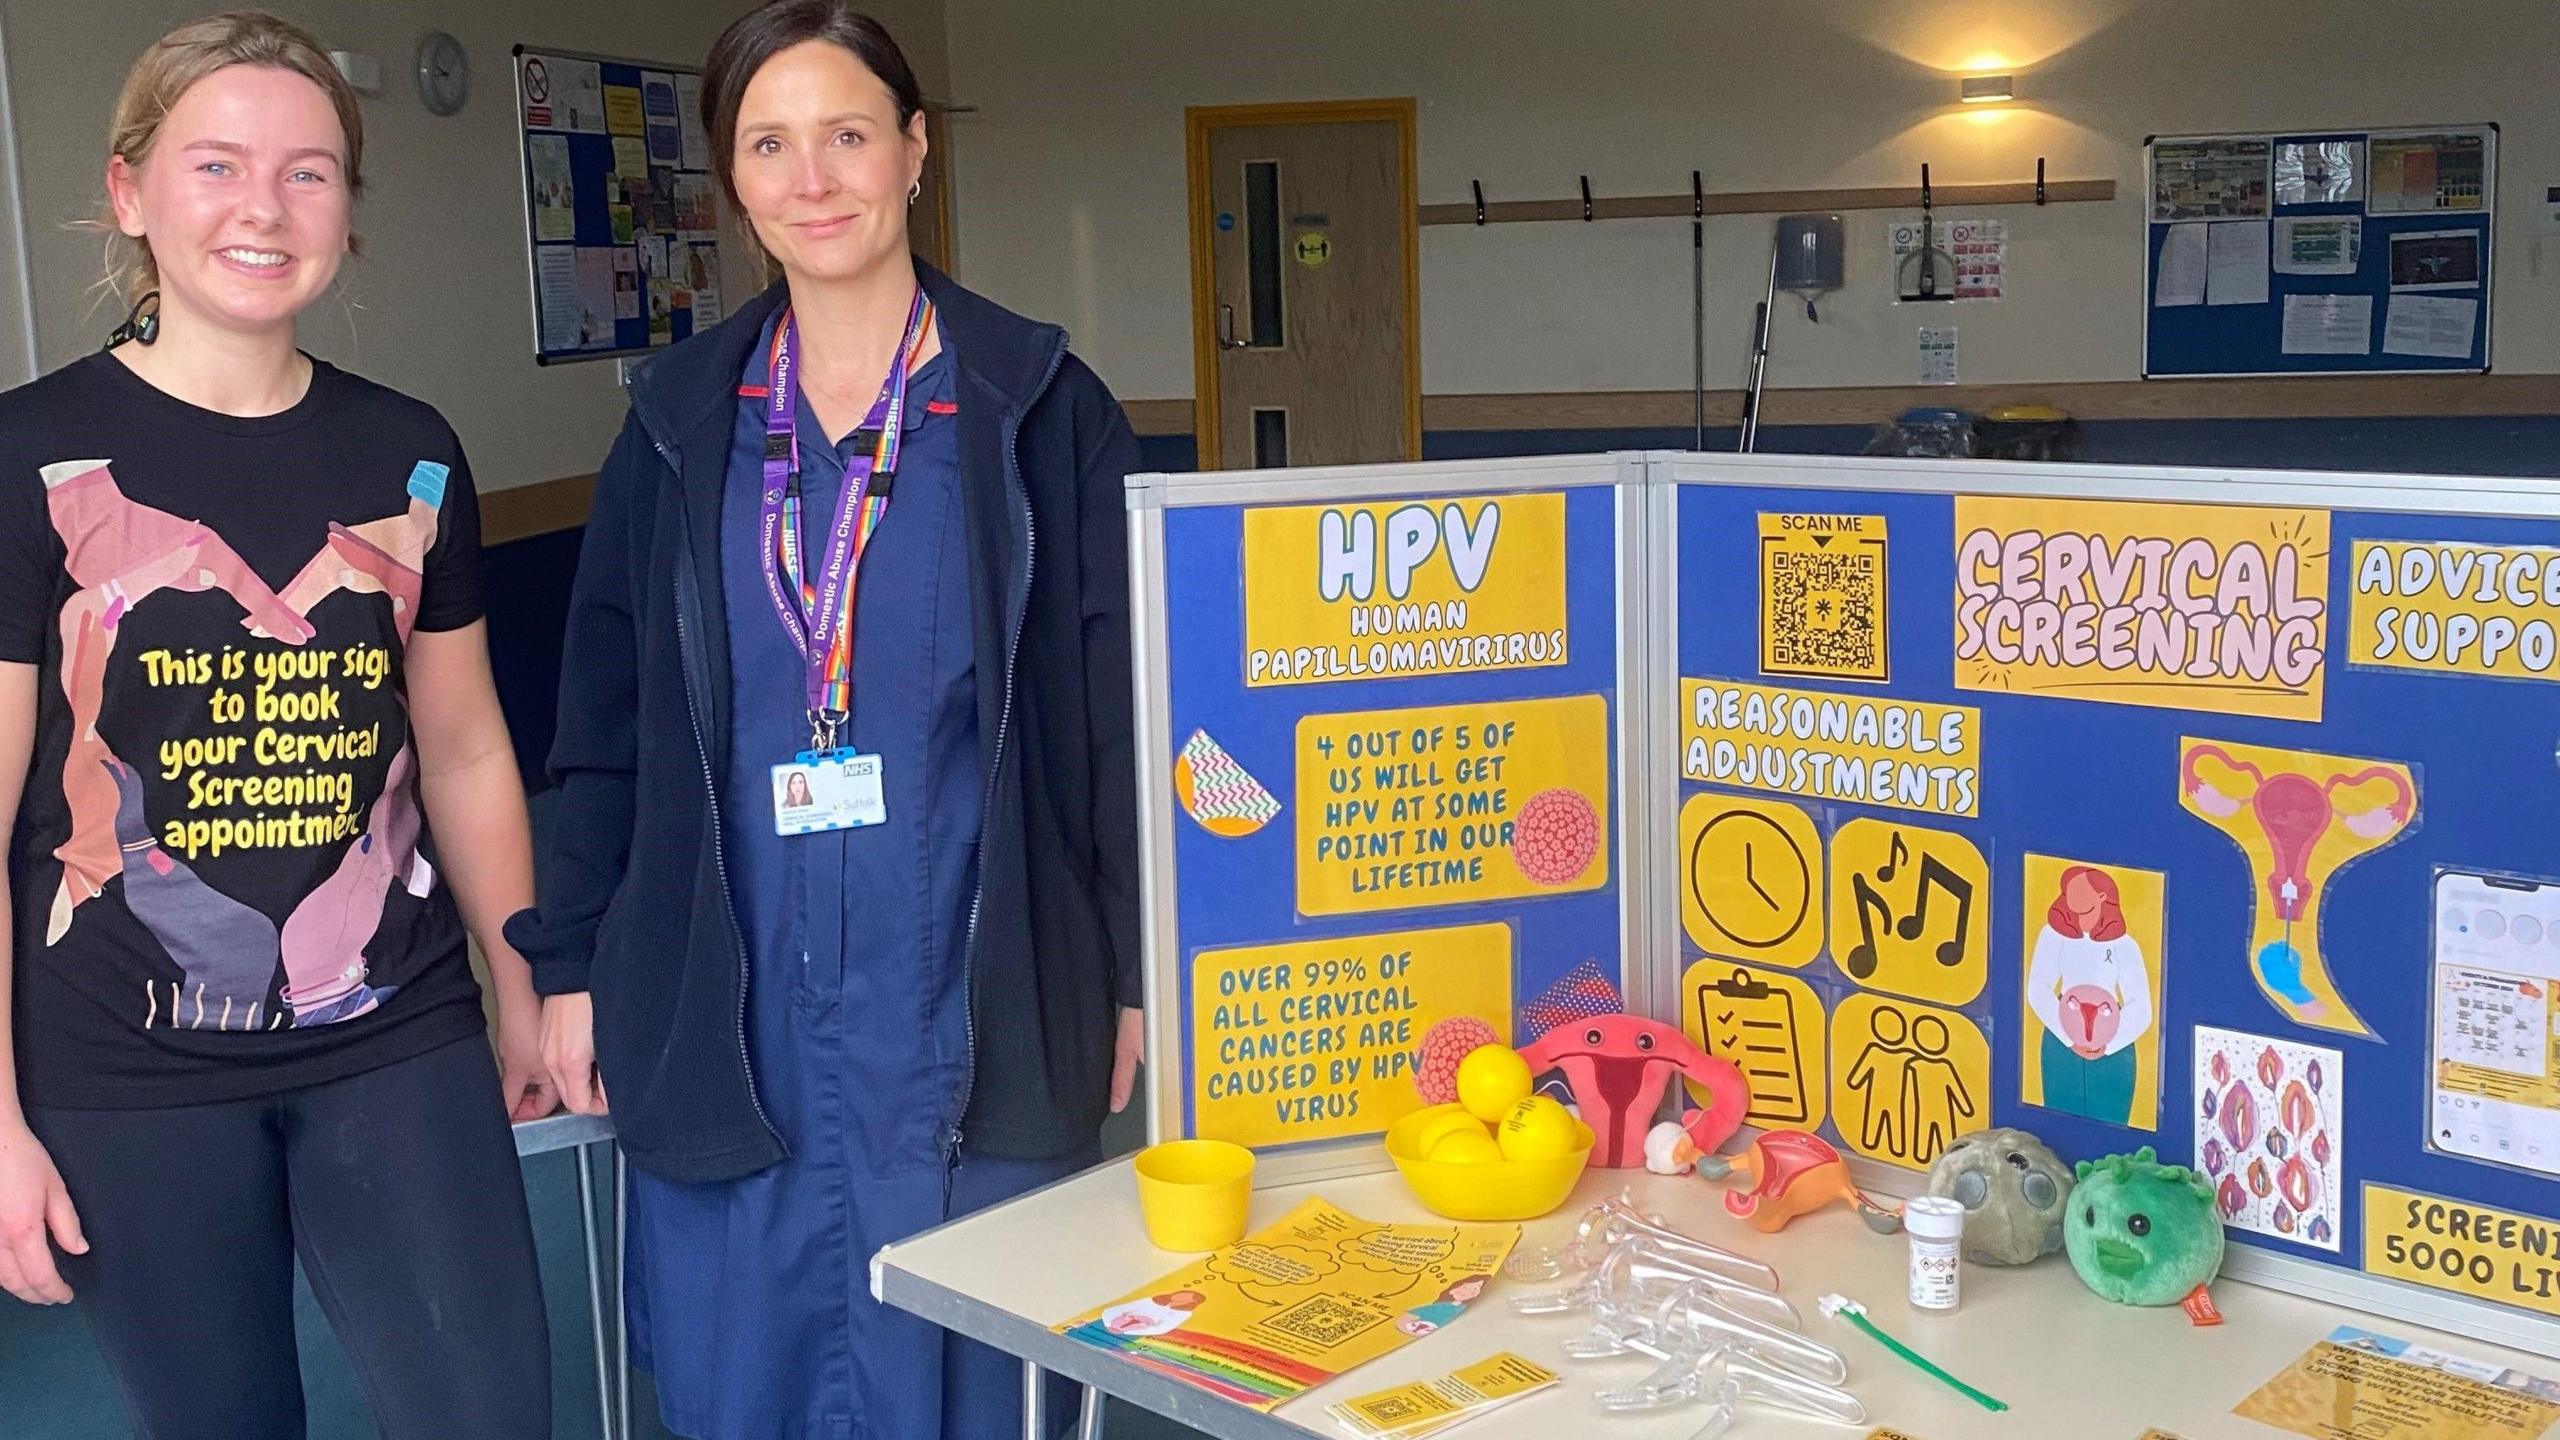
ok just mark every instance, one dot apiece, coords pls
pixel 1149 496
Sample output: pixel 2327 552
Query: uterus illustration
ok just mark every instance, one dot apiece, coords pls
pixel 2299 817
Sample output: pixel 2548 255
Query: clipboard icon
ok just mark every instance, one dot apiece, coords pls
pixel 1756 1026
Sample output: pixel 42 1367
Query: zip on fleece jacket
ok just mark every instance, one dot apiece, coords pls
pixel 695 666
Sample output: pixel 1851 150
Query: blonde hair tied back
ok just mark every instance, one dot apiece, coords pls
pixel 173 65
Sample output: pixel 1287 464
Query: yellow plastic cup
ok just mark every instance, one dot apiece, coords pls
pixel 1193 1194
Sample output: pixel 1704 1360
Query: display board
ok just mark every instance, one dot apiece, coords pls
pixel 2211 812
pixel 1380 736
pixel 2274 254
pixel 2208 811
pixel 621 209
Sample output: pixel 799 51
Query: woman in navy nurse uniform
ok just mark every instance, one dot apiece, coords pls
pixel 871 526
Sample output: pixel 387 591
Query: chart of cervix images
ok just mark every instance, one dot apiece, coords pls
pixel 1395 770
pixel 2221 828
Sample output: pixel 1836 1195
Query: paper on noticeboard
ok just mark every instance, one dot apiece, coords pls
pixel 2236 263
pixel 2319 244
pixel 2328 325
pixel 2435 326
pixel 2182 267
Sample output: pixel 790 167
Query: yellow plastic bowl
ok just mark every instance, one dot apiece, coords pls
pixel 1493 1190
pixel 1193 1194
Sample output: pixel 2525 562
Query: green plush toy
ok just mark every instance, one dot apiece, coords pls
pixel 2140 1232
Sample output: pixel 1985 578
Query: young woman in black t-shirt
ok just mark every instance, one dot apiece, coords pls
pixel 253 783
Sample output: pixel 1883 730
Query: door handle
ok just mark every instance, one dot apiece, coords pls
pixel 1227 330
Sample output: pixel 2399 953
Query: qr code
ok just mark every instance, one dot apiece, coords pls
pixel 1323 1320
pixel 1825 612
pixel 1392 1409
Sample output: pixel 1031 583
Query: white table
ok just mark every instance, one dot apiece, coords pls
pixel 2069 1364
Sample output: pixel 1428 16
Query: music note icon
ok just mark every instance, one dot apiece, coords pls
pixel 1893 889
pixel 1934 875
pixel 1862 957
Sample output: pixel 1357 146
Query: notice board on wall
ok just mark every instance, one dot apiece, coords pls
pixel 1379 742
pixel 622 214
pixel 2319 253
pixel 2140 807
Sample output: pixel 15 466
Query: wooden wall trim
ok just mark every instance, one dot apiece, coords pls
pixel 2321 397
pixel 523 511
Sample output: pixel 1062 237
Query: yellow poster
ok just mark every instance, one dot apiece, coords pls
pixel 1405 809
pixel 2094 974
pixel 1315 1039
pixel 1770 1026
pixel 2454 608
pixel 1387 591
pixel 1901 754
pixel 1909 910
pixel 2193 607
pixel 2298 817
pixel 2357 1385
pixel 2463 1248
pixel 1823 596
pixel 1298 1302
pixel 623 114
pixel 1906 1079
pixel 1754 886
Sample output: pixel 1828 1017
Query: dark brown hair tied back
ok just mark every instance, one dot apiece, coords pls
pixel 761 34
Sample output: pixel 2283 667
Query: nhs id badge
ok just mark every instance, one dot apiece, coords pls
pixel 819 790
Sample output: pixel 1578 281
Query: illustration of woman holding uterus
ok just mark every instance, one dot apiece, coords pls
pixel 2090 986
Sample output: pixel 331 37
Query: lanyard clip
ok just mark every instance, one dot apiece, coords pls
pixel 823 727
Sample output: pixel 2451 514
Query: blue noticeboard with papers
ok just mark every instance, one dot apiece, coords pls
pixel 2319 253
pixel 621 210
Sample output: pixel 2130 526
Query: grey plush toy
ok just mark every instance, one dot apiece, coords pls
pixel 2014 1192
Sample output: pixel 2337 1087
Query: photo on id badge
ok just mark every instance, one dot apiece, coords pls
pixel 832 791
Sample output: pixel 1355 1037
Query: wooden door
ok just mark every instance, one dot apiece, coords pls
pixel 1304 262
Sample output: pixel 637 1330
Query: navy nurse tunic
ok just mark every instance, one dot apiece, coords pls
pixel 750 1300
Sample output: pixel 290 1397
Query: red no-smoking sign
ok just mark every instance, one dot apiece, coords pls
pixel 537 93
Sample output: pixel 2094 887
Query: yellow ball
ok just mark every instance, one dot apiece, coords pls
pixel 1442 1125
pixel 1465 1147
pixel 1537 1129
pixel 1491 1080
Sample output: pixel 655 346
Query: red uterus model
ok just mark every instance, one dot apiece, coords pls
pixel 2285 805
pixel 1620 1065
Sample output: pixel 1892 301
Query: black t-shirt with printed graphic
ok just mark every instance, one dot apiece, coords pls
pixel 221 876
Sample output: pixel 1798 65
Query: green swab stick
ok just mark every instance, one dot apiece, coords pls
pixel 1842 1307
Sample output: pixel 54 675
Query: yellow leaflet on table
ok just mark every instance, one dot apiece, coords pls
pixel 1298 1302
pixel 2357 1385
pixel 1427 1407
pixel 1405 588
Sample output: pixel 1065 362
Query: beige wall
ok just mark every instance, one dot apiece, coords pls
pixel 1071 176
pixel 439 305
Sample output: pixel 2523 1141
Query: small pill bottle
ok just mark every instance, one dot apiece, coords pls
pixel 1936 1227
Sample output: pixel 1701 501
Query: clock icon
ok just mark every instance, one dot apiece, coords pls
pixel 1752 887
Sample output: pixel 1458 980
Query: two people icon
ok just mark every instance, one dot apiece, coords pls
pixel 1912 1098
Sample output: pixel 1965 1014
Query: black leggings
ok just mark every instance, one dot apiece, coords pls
pixel 399 1190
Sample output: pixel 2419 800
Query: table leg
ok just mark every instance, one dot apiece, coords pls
pixel 1089 1424
pixel 595 1287
pixel 621 1306
pixel 1035 1403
